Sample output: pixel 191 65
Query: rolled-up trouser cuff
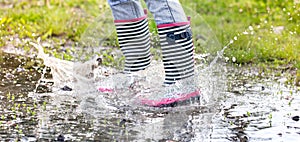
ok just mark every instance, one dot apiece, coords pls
pixel 166 11
pixel 126 9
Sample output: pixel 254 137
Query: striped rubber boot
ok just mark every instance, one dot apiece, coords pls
pixel 177 51
pixel 134 41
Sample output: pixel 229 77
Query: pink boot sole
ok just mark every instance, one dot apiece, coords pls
pixel 168 101
pixel 105 90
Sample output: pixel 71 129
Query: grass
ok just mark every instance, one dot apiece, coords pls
pixel 272 25
pixel 60 22
pixel 228 18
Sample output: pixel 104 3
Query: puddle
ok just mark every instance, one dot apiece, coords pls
pixel 238 104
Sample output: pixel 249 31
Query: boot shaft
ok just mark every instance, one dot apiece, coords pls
pixel 177 51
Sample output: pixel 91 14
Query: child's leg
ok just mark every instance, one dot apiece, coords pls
pixel 175 39
pixel 133 33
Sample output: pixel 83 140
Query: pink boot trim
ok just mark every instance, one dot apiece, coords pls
pixel 166 101
pixel 105 90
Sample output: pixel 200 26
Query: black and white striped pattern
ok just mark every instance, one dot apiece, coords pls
pixel 134 41
pixel 177 51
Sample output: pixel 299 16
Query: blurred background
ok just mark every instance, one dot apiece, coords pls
pixel 274 25
pixel 268 30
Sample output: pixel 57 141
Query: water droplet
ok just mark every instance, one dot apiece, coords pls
pixel 235 38
pixel 245 33
pixel 250 28
pixel 231 41
pixel 283 9
pixel 258 26
pixel 265 21
pixel 233 59
pixel 276 38
pixel 226 59
pixel 289 13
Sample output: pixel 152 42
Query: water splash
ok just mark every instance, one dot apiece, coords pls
pixel 77 74
pixel 183 121
pixel 210 78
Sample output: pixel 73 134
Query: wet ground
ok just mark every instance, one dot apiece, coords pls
pixel 238 104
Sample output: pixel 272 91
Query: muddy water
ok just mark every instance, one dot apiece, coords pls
pixel 238 104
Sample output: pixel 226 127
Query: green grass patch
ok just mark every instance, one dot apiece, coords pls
pixel 274 28
pixel 271 38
